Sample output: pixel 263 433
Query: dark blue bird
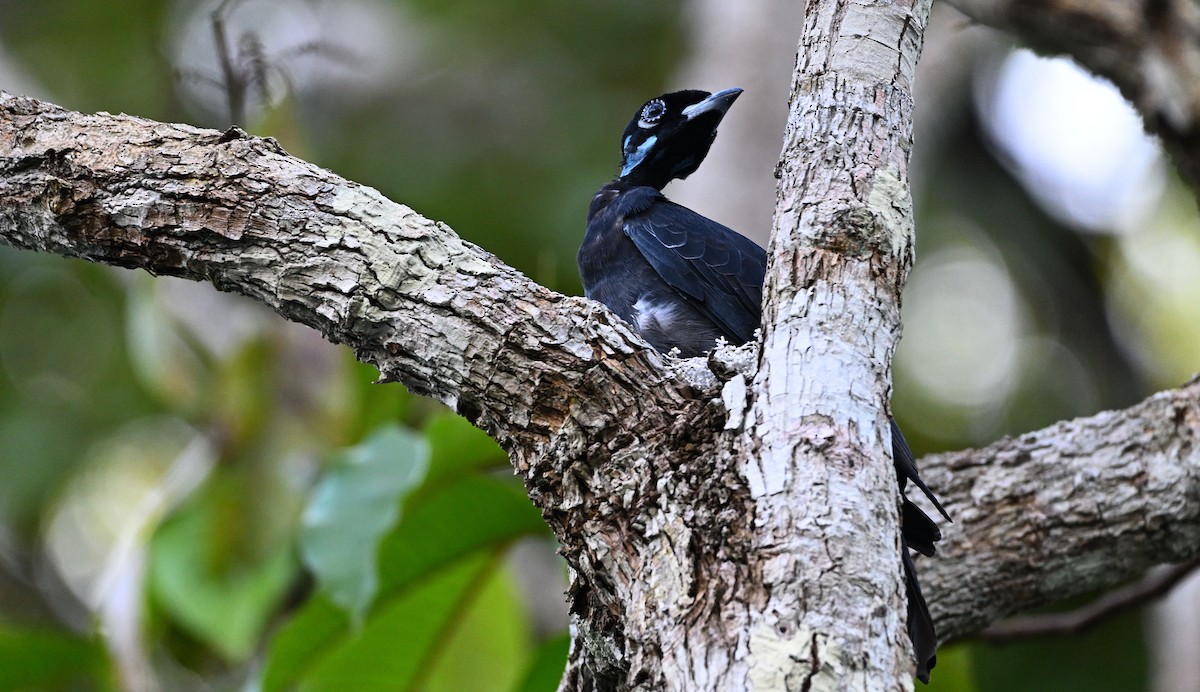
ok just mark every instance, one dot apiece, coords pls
pixel 683 280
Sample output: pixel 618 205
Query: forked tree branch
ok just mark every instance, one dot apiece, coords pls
pixel 1149 48
pixel 1074 508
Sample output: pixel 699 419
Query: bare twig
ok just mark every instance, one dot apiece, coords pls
pixel 246 65
pixel 233 78
pixel 1150 49
pixel 1157 583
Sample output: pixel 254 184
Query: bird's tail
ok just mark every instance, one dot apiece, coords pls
pixel 920 624
pixel 920 534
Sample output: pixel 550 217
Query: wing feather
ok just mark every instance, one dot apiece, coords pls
pixel 719 270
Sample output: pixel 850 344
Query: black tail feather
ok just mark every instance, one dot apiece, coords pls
pixel 920 624
pixel 920 534
pixel 918 530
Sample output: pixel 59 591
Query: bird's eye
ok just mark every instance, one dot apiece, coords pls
pixel 652 113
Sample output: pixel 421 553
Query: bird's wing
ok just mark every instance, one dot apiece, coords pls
pixel 719 270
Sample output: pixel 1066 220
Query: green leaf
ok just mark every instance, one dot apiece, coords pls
pixel 476 513
pixel 490 630
pixel 351 509
pixel 45 659
pixel 546 670
pixel 473 513
pixel 458 447
pixel 394 647
pixel 225 608
pixel 311 633
pixel 464 613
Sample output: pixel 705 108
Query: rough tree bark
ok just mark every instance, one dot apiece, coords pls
pixel 730 522
pixel 823 490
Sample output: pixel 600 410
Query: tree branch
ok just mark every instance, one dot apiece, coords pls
pixel 442 316
pixel 1149 48
pixel 1158 583
pixel 591 418
pixel 1077 507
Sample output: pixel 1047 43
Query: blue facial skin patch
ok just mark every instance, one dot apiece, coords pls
pixel 632 161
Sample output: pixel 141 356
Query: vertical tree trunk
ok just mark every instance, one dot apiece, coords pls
pixel 841 249
pixel 778 566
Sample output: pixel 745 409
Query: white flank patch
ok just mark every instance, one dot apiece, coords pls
pixel 647 314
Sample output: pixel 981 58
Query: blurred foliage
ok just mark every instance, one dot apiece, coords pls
pixel 352 507
pixel 224 606
pixel 46 659
pixel 98 56
pixel 159 442
pixel 436 573
pixel 953 671
pixel 1108 657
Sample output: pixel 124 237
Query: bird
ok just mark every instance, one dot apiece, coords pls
pixel 684 281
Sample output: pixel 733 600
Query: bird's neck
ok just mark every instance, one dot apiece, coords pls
pixel 642 178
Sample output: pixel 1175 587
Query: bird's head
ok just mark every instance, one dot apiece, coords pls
pixel 671 134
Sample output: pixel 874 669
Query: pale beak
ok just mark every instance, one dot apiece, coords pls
pixel 719 102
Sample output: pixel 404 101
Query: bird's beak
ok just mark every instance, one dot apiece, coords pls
pixel 719 102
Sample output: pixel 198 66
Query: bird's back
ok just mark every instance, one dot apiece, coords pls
pixel 681 279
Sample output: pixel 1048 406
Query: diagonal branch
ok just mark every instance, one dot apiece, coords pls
pixel 442 316
pixel 591 418
pixel 1149 48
